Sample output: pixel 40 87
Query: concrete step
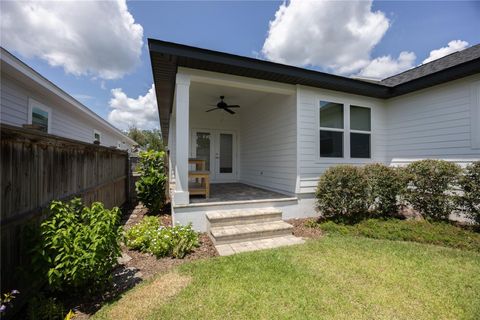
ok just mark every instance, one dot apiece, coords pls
pixel 246 232
pixel 241 216
pixel 261 244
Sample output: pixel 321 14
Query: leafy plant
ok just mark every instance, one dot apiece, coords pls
pixel 429 187
pixel 6 301
pixel 152 183
pixel 341 194
pixel 383 187
pixel 469 200
pixel 140 235
pixel 78 245
pixel 45 308
pixel 150 236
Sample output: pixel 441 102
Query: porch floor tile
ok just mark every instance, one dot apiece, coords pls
pixel 236 192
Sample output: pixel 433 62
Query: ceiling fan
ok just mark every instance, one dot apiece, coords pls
pixel 222 105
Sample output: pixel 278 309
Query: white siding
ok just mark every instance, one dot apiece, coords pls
pixel 66 121
pixel 268 150
pixel 310 165
pixel 434 123
pixel 14 104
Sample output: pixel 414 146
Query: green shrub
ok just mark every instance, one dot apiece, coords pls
pixel 430 185
pixel 78 245
pixel 383 187
pixel 151 186
pixel 469 183
pixel 43 308
pixel 341 193
pixel 140 236
pixel 150 236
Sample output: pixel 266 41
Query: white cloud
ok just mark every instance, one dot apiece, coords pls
pixel 453 46
pixel 95 38
pixel 337 35
pixel 141 112
pixel 386 66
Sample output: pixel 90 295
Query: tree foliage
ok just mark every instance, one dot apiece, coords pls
pixel 147 139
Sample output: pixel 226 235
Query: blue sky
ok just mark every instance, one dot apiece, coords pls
pixel 415 28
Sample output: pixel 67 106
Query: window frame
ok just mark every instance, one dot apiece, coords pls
pixel 32 103
pixel 95 131
pixel 320 128
pixel 350 131
pixel 346 130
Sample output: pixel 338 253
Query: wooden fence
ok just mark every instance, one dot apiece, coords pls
pixel 37 168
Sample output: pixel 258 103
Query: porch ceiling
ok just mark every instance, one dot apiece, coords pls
pixel 204 95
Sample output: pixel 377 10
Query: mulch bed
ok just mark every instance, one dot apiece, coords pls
pixel 136 266
pixel 301 230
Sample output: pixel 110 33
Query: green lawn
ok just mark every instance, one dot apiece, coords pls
pixel 439 233
pixel 336 277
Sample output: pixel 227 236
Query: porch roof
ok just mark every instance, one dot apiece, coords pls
pixel 166 57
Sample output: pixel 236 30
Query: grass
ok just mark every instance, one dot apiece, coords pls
pixel 438 233
pixel 336 277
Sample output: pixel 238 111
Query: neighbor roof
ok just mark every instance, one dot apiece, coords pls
pixel 166 57
pixel 13 64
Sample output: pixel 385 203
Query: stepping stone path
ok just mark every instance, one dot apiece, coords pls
pixel 235 231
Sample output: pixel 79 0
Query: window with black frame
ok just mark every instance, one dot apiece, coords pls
pixel 360 132
pixel 331 129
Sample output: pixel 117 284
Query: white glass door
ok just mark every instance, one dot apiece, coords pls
pixel 218 149
pixel 225 157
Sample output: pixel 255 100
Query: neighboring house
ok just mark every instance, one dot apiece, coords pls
pixel 30 100
pixel 294 123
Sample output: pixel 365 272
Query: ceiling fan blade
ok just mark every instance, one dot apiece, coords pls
pixel 213 109
pixel 234 106
pixel 229 111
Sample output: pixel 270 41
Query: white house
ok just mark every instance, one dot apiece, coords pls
pixel 29 99
pixel 293 123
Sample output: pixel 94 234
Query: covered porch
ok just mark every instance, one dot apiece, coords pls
pixel 248 152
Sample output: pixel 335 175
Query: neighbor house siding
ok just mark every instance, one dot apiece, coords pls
pixel 66 121
pixel 14 103
pixel 310 165
pixel 437 123
pixel 268 153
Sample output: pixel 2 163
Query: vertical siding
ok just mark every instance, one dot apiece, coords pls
pixel 434 123
pixel 269 143
pixel 310 165
pixel 65 120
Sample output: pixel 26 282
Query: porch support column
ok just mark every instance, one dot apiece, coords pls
pixel 182 99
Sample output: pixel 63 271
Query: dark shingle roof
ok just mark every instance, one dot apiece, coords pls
pixel 167 57
pixel 434 66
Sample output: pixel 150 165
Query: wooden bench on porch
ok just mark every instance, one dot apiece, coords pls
pixel 201 186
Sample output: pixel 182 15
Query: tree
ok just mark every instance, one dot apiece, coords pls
pixel 148 139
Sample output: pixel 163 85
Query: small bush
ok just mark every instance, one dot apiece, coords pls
pixel 430 185
pixel 469 183
pixel 341 193
pixel 383 187
pixel 150 236
pixel 78 245
pixel 151 186
pixel 43 308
